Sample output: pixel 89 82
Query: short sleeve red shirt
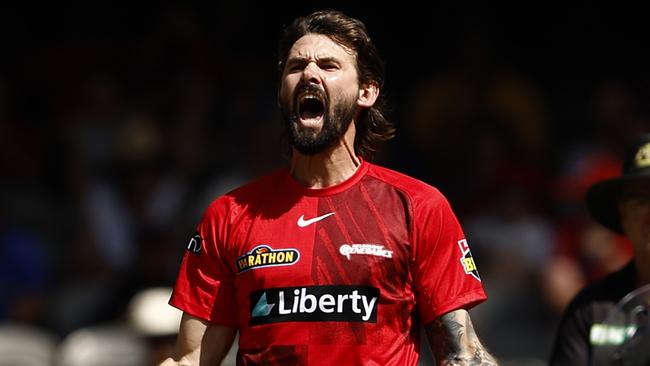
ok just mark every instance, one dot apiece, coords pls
pixel 342 275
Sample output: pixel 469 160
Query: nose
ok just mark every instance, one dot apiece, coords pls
pixel 311 73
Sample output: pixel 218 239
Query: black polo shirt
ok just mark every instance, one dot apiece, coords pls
pixel 591 306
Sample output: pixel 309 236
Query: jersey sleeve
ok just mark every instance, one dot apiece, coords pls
pixel 444 272
pixel 205 284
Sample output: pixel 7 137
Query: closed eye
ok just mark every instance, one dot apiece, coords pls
pixel 330 67
pixel 298 64
pixel 295 67
pixel 329 64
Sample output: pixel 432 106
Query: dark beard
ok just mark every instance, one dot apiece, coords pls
pixel 335 122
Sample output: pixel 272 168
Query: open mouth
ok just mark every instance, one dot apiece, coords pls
pixel 311 107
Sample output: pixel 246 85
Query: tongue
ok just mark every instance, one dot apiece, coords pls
pixel 311 109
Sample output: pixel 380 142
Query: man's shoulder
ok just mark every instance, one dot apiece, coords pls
pixel 269 181
pixel 411 186
pixel 595 303
pixel 610 289
pixel 253 190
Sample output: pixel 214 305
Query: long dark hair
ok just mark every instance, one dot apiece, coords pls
pixel 372 126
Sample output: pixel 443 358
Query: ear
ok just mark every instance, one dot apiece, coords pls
pixel 368 94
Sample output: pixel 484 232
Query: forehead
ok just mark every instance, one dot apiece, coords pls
pixel 637 187
pixel 317 46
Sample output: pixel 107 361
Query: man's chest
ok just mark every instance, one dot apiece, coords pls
pixel 322 242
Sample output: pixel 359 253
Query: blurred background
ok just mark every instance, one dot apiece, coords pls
pixel 119 124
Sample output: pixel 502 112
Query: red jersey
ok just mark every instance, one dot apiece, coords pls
pixel 339 275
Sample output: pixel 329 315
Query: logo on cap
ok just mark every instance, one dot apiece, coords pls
pixel 642 157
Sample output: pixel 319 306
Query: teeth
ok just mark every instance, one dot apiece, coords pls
pixel 308 96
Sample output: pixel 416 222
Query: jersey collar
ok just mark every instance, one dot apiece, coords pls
pixel 331 190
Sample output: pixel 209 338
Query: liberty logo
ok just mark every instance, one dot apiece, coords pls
pixel 262 308
pixel 314 304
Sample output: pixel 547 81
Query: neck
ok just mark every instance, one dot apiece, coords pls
pixel 328 168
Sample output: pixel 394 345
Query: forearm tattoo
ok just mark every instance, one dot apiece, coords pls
pixel 454 342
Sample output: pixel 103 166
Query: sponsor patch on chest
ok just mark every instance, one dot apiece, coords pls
pixel 314 304
pixel 265 256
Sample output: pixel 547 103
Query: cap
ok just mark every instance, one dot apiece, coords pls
pixel 602 197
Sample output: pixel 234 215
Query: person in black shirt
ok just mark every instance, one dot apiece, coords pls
pixel 621 204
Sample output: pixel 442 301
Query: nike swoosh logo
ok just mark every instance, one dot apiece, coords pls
pixel 302 222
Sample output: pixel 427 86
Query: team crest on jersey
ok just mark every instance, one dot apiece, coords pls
pixel 466 259
pixel 365 249
pixel 265 256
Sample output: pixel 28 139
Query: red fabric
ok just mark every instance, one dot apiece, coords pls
pixel 411 256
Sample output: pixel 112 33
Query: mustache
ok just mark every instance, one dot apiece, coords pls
pixel 310 88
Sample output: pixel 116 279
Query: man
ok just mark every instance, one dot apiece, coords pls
pixel 334 260
pixel 621 204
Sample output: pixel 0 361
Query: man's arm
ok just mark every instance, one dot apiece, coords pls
pixel 199 340
pixel 454 342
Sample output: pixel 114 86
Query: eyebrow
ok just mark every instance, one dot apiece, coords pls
pixel 318 59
